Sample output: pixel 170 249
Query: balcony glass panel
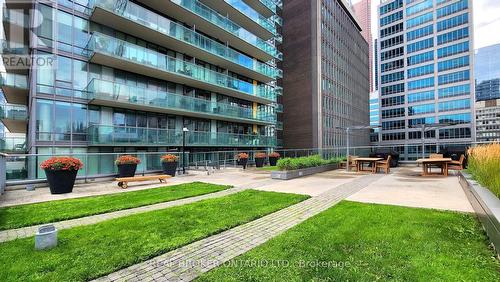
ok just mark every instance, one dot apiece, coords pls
pixel 252 14
pixel 165 26
pixel 13 144
pixel 14 80
pixel 212 16
pixel 123 50
pixel 111 91
pixel 14 112
pixel 116 135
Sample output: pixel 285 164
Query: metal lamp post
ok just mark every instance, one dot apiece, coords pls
pixel 184 130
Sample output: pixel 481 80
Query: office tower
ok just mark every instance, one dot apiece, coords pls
pixel 425 72
pixel 488 120
pixel 374 117
pixel 326 76
pixel 363 12
pixel 130 76
pixel 487 73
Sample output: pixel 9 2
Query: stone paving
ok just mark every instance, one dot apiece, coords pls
pixel 188 262
pixel 13 234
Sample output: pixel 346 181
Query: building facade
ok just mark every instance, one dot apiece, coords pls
pixel 130 76
pixel 426 73
pixel 363 12
pixel 488 120
pixel 487 73
pixel 326 77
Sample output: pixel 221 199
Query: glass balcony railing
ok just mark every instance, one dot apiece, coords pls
pixel 111 91
pixel 270 4
pixel 14 80
pixel 156 22
pixel 279 108
pixel 212 16
pixel 136 136
pixel 279 125
pixel 253 15
pixel 122 50
pixel 12 144
pixel 13 112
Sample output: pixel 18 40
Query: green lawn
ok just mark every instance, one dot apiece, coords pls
pixel 88 252
pixel 32 214
pixel 368 242
pixel 268 168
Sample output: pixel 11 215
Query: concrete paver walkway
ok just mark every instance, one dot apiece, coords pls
pixel 186 263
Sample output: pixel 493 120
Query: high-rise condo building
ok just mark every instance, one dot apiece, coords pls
pixel 363 12
pixel 425 68
pixel 326 76
pixel 132 75
pixel 487 73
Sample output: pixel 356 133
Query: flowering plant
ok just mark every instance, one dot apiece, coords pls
pixel 260 155
pixel 169 158
pixel 274 155
pixel 127 159
pixel 242 156
pixel 62 163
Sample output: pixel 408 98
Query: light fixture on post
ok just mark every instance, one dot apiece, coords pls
pixel 184 130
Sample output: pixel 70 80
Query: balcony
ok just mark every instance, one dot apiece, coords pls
pixel 134 19
pixel 14 118
pixel 108 135
pixel 195 13
pixel 267 8
pixel 107 93
pixel 245 15
pixel 14 88
pixel 12 144
pixel 119 54
pixel 279 125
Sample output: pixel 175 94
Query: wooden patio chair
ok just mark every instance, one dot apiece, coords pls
pixel 457 165
pixel 385 165
pixel 350 161
pixel 436 156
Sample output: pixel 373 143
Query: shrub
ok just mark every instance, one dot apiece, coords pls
pixel 62 163
pixel 260 155
pixel 169 158
pixel 127 159
pixel 242 156
pixel 304 162
pixel 274 155
pixel 484 165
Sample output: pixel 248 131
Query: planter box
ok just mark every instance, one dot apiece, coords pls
pixel 291 174
pixel 486 205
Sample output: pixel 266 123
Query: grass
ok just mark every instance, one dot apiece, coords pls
pixel 46 212
pixel 368 242
pixel 484 165
pixel 268 168
pixel 88 252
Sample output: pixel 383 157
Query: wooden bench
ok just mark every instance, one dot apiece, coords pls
pixel 123 181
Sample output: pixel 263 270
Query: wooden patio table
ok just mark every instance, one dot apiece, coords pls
pixel 360 161
pixel 441 162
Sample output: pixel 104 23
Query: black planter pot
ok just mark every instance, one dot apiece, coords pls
pixel 259 162
pixel 61 181
pixel 127 170
pixel 243 162
pixel 273 161
pixel 169 168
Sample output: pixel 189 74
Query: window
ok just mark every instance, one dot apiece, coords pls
pixel 453 77
pixel 455 119
pixel 418 121
pixel 421 96
pixel 420 45
pixel 391 30
pixel 392 89
pixel 395 124
pixel 454 105
pixel 393 101
pixel 419 71
pixel 453 49
pixel 391 7
pixel 421 32
pixel 453 8
pixel 391 18
pixel 454 133
pixel 453 22
pixel 427 4
pixel 453 36
pixel 453 63
pixel 419 20
pixel 391 42
pixel 453 91
pixel 418 134
pixel 421 83
pixel 397 64
pixel 420 58
pixel 399 112
pixel 396 76
pixel 387 55
pixel 393 136
pixel 421 109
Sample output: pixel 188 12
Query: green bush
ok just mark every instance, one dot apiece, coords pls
pixel 304 162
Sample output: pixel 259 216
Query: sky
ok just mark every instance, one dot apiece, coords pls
pixel 486 21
